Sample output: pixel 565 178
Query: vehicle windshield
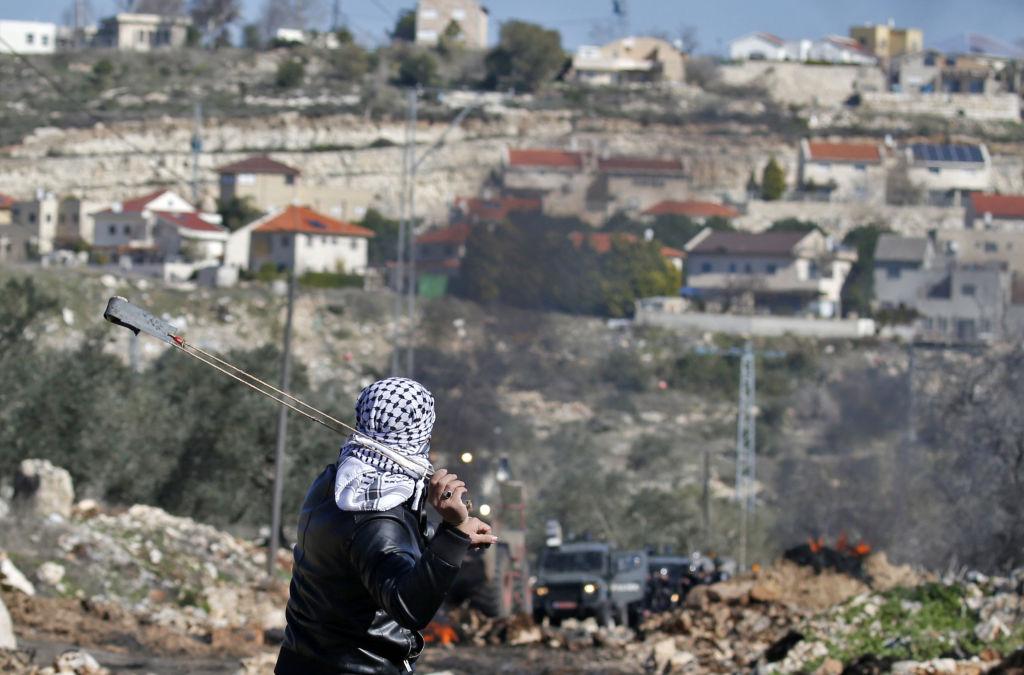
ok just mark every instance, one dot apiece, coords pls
pixel 573 561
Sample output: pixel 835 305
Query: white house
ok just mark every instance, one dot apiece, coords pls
pixel 844 171
pixel 782 272
pixel 942 169
pixel 190 236
pixel 159 226
pixel 758 47
pixel 303 240
pixel 28 37
pixel 840 49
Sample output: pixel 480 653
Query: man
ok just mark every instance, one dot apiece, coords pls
pixel 366 579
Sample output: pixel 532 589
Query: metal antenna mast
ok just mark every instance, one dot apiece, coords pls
pixel 746 444
pixel 197 149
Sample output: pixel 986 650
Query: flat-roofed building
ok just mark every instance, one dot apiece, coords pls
pixel 267 183
pixel 630 59
pixel 28 37
pixel 143 32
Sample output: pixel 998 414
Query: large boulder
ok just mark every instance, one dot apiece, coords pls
pixel 7 640
pixel 40 488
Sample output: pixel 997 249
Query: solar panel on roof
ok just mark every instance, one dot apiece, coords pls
pixel 317 224
pixel 933 152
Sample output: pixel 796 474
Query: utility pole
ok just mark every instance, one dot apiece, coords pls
pixel 411 142
pixel 336 15
pixel 197 149
pixel 282 426
pixel 746 443
pixel 705 497
pixel 408 159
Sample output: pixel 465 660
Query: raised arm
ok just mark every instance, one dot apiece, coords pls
pixel 410 591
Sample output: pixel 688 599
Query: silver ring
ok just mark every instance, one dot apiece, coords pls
pixel 446 495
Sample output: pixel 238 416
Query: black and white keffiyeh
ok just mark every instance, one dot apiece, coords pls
pixel 396 412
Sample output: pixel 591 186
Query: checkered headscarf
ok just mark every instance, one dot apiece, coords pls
pixel 396 412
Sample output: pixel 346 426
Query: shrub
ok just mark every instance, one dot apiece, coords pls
pixel 290 74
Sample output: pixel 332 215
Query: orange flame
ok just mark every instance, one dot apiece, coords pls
pixel 440 633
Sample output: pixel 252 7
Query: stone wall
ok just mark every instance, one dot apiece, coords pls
pixel 836 218
pixel 804 84
pixel 983 107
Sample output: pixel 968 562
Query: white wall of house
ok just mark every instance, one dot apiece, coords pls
pixel 37 219
pixel 329 253
pixel 29 37
pixel 755 47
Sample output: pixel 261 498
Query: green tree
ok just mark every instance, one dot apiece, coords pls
pixel 480 275
pixel 417 68
pixel 634 270
pixel 858 290
pixel 237 212
pixel 773 181
pixel 384 245
pixel 405 26
pixel 450 41
pixel 527 56
pixel 290 74
pixel 349 62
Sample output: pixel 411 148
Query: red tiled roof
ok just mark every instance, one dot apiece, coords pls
pixel 6 201
pixel 452 234
pixel 190 221
pixel 639 164
pixel 496 209
pixel 1000 206
pixel 302 219
pixel 844 152
pixel 748 243
pixel 693 209
pixel 259 164
pixel 548 158
pixel 601 242
pixel 769 37
pixel 139 203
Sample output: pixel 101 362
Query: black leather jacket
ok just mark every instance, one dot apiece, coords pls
pixel 363 585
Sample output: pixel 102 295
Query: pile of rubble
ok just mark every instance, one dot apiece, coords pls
pixel 92 577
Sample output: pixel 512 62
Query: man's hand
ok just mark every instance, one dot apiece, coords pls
pixel 445 496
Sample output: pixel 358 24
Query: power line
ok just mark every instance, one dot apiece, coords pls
pixel 95 118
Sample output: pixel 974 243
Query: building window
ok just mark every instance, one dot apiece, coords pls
pixel 458 14
pixel 32 217
pixel 748 268
pixel 892 272
pixel 289 180
pixel 967 289
pixel 770 268
pixel 112 230
pixel 49 217
pixel 127 230
pixel 353 243
pixel 732 268
pixel 933 169
pixel 30 38
pixel 429 13
pixel 44 39
pixel 943 324
pixel 991 247
pixel 705 267
pixel 285 240
pixel 860 167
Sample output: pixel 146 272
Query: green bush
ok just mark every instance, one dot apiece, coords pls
pixel 290 74
pixel 773 181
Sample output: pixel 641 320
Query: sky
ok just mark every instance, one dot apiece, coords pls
pixel 715 21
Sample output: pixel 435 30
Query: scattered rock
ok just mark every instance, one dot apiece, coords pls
pixel 992 629
pixel 830 667
pixel 765 592
pixel 86 509
pixel 42 489
pixel 50 573
pixel 78 662
pixel 12 578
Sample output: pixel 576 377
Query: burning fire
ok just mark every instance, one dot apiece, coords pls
pixel 440 632
pixel 860 550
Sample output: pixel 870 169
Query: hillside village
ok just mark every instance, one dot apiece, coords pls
pixel 586 253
